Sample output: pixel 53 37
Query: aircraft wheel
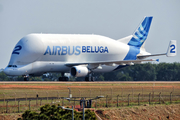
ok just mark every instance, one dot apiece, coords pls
pixel 93 79
pixel 66 79
pixel 63 78
pixel 86 78
pixel 26 78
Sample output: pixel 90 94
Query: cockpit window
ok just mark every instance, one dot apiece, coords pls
pixel 12 66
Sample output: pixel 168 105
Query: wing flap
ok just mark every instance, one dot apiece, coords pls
pixel 111 63
pixel 145 56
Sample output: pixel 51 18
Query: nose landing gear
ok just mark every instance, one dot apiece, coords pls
pixel 26 78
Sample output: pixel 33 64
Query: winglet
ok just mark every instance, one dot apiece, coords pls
pixel 172 49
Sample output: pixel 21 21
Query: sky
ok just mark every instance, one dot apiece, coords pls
pixel 112 18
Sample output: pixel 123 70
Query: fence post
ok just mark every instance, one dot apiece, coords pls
pixel 122 93
pixel 41 102
pixel 100 91
pixel 18 105
pixel 29 104
pixel 79 93
pixel 128 99
pixel 47 96
pixel 153 92
pixel 173 88
pixel 106 100
pixel 4 98
pixel 63 101
pixel 170 97
pixel 142 93
pixel 58 95
pixel 149 98
pixel 111 93
pixel 138 99
pixel 15 97
pixel 153 95
pixel 95 104
pixel 74 102
pixel 117 100
pixel 36 98
pixel 132 93
pixel 7 106
pixel 52 102
pixel 160 98
pixel 90 92
pixel 26 98
pixel 69 91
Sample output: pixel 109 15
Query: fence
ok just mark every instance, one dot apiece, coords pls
pixel 113 97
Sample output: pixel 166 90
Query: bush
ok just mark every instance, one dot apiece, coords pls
pixel 48 112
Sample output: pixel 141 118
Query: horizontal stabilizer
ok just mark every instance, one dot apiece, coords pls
pixel 172 50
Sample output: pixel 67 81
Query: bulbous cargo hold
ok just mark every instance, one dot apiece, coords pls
pixel 29 49
pixel 64 47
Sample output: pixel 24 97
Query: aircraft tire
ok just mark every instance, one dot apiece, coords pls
pixel 86 78
pixel 66 79
pixel 26 79
pixel 93 79
pixel 63 78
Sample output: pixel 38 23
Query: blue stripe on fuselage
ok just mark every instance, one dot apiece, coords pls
pixel 133 51
pixel 132 55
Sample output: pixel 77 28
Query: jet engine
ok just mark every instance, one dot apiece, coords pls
pixel 79 71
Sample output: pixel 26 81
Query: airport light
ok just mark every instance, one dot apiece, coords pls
pixel 97 97
pixel 68 109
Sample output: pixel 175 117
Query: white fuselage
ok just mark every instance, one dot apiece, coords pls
pixel 41 53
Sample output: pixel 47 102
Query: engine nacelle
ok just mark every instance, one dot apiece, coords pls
pixel 79 71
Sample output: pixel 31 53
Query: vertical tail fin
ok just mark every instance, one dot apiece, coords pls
pixel 141 33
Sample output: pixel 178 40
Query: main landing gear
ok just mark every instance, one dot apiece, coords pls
pixel 90 78
pixel 26 78
pixel 63 78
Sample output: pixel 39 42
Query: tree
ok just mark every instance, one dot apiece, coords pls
pixel 3 77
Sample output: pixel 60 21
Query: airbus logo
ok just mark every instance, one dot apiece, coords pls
pixel 74 50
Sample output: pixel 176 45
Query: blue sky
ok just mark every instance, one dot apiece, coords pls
pixel 112 18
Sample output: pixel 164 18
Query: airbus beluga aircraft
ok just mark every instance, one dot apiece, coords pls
pixel 80 55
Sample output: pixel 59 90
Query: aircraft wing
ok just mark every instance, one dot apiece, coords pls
pixel 112 63
pixel 145 56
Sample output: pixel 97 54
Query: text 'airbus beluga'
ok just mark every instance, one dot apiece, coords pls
pixel 80 55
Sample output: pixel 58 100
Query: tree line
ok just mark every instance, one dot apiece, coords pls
pixel 145 72
pixel 137 72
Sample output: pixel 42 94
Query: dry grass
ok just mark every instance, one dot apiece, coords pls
pixel 85 89
pixel 155 112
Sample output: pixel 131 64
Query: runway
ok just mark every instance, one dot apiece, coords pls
pixel 79 82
